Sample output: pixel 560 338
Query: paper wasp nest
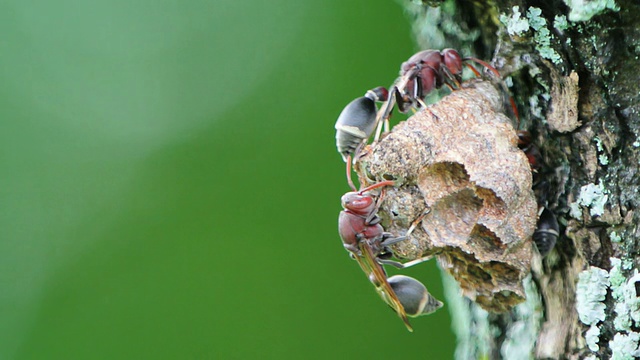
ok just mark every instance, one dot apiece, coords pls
pixel 459 160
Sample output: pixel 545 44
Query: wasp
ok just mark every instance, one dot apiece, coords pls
pixel 365 239
pixel 355 125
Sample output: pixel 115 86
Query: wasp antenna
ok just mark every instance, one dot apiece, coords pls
pixel 475 71
pixel 377 185
pixel 485 64
pixel 515 111
pixel 496 73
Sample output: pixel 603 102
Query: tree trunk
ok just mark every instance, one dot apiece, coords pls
pixel 573 68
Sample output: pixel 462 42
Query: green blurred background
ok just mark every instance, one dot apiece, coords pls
pixel 170 183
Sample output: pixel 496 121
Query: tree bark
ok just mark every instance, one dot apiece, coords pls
pixel 574 71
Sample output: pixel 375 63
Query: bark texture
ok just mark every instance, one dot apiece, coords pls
pixel 573 68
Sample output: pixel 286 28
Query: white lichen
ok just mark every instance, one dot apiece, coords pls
pixel 615 237
pixel 508 81
pixel 593 196
pixel 590 293
pixel 534 106
pixel 625 347
pixel 593 336
pixel 583 10
pixel 516 25
pixel 575 210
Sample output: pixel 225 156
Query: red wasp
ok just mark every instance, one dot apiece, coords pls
pixel 436 68
pixel 355 125
pixel 367 242
pixel 547 228
pixel 531 151
pixel 547 231
pixel 419 75
pixel 424 72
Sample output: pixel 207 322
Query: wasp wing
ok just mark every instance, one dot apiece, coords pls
pixel 378 277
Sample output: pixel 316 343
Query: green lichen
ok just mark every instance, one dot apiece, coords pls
pixel 471 343
pixel 536 21
pixel 593 196
pixel 627 307
pixel 632 298
pixel 542 35
pixel 523 333
pixel 560 23
pixel 436 28
pixel 627 264
pixel 622 320
pixel 583 10
pixel 617 281
pixel 604 160
pixel 616 278
pixel 590 293
pixel 599 144
pixel 624 344
pixel 516 25
pixel 475 333
pixel 534 71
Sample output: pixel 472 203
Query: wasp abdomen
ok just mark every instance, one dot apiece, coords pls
pixel 413 296
pixel 357 121
pixel 547 232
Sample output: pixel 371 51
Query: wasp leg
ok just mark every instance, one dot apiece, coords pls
pixel 399 265
pixel 349 180
pixel 388 242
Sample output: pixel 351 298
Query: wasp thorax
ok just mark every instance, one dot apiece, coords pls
pixel 357 203
pixel 459 161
